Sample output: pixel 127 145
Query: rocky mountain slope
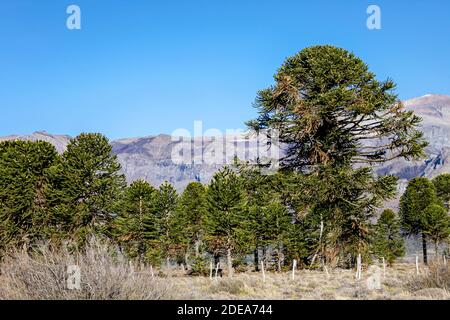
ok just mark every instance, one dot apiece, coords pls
pixel 150 158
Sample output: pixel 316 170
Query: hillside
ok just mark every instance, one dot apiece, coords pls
pixel 149 158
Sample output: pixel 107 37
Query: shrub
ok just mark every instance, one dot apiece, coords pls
pixel 105 275
pixel 437 276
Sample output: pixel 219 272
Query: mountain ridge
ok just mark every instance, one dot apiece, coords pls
pixel 149 157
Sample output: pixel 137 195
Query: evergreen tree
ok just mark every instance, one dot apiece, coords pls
pixel 331 113
pixel 223 223
pixel 327 107
pixel 388 242
pixel 442 185
pixel 190 215
pixel 420 193
pixel 436 225
pixel 136 223
pixel 165 207
pixel 84 186
pixel 23 207
pixel 254 227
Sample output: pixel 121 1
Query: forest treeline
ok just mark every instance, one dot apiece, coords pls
pixel 336 120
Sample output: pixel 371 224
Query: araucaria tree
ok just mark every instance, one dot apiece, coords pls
pixel 136 227
pixel 437 225
pixel 225 215
pixel 329 108
pixel 332 113
pixel 419 195
pixel 442 185
pixel 190 216
pixel 23 166
pixel 83 187
pixel 388 242
pixel 165 205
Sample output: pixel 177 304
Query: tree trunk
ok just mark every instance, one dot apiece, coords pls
pixel 230 263
pixel 216 259
pixel 256 259
pixel 424 248
pixel 264 257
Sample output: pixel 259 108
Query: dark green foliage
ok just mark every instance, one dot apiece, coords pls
pixel 23 205
pixel 136 225
pixel 225 215
pixel 267 219
pixel 442 185
pixel 436 224
pixel 331 113
pixel 84 186
pixel 199 266
pixel 327 106
pixel 190 215
pixel 388 242
pixel 165 208
pixel 419 194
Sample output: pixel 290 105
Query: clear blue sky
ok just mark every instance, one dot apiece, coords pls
pixel 146 67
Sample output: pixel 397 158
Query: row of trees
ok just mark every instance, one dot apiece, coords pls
pixel 334 120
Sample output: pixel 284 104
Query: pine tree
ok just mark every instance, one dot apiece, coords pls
pixel 165 207
pixel 190 215
pixel 254 227
pixel 388 242
pixel 225 215
pixel 84 186
pixel 136 223
pixel 331 113
pixel 327 106
pixel 23 207
pixel 442 185
pixel 436 225
pixel 420 193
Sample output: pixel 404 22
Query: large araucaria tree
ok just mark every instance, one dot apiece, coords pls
pixel 333 116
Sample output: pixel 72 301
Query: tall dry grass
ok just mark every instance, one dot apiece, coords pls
pixel 104 273
pixel 437 275
pixel 107 274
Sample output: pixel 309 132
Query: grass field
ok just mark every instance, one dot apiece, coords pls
pixel 110 276
pixel 400 282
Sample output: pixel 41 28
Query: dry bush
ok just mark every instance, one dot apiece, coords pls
pixel 105 274
pixel 436 276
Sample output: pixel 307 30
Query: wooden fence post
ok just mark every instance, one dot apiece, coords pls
pixel 417 264
pixel 294 266
pixel 263 272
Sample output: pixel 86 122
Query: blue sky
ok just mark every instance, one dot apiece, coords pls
pixel 138 68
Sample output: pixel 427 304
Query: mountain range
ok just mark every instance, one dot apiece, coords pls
pixel 150 157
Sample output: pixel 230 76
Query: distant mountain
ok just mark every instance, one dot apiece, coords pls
pixel 435 112
pixel 150 158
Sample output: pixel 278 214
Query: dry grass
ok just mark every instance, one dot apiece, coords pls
pixel 308 285
pixel 105 274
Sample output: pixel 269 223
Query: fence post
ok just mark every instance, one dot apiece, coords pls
pixel 417 264
pixel 294 266
pixel 263 272
pixel 217 268
pixel 210 270
pixel 358 267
